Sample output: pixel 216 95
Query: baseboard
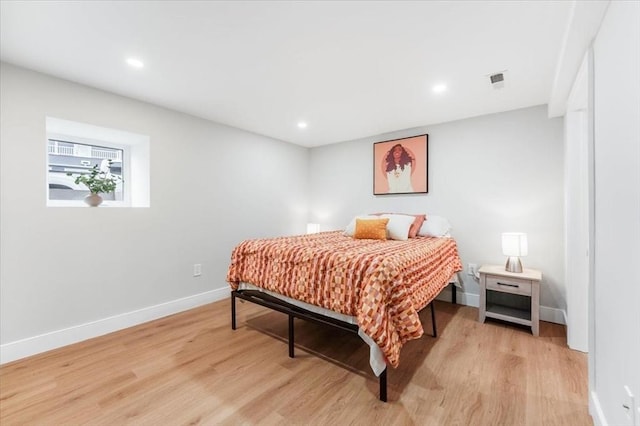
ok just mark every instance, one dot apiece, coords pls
pixel 547 314
pixel 56 339
pixel 462 298
pixel 554 315
pixel 595 409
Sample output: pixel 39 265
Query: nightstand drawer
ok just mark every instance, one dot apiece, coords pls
pixel 509 285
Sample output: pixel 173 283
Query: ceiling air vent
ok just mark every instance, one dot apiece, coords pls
pixel 497 80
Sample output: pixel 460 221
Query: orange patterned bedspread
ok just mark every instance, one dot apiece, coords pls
pixel 382 283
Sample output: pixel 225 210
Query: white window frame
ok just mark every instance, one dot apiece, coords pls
pixel 135 161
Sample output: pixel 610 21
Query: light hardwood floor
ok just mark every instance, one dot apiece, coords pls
pixel 191 368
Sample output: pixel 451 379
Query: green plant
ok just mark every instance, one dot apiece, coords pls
pixel 99 180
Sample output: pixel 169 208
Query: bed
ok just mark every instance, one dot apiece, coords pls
pixel 375 288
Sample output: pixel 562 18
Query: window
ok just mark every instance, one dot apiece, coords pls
pixel 75 148
pixel 77 158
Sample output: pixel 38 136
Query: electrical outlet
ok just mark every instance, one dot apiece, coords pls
pixel 197 270
pixel 472 269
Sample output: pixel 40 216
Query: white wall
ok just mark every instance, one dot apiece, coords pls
pixel 487 175
pixel 615 348
pixel 65 268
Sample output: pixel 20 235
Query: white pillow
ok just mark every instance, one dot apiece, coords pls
pixel 398 226
pixel 351 227
pixel 435 226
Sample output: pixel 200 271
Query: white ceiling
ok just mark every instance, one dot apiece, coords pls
pixel 348 69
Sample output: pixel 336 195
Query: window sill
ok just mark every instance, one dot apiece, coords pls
pixel 78 203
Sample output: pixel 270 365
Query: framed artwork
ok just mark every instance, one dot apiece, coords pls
pixel 400 166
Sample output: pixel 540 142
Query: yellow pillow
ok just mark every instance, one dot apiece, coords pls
pixel 372 229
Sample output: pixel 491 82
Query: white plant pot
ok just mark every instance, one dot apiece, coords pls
pixel 93 200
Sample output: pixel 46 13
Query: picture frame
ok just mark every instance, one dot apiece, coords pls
pixel 404 172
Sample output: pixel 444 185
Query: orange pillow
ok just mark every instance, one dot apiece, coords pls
pixel 416 225
pixel 371 229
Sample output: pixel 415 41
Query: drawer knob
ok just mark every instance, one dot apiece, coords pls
pixel 509 285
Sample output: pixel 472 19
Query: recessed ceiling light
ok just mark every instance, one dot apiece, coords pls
pixel 302 125
pixel 135 63
pixel 439 88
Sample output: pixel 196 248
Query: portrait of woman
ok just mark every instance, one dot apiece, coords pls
pixel 400 166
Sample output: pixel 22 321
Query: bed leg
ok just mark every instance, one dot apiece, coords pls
pixel 383 385
pixel 290 336
pixel 453 294
pixel 233 310
pixel 433 319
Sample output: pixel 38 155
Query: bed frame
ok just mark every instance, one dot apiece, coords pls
pixel 293 311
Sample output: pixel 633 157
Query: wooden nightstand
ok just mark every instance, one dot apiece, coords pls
pixel 526 283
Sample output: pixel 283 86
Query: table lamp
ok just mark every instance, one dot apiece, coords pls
pixel 514 245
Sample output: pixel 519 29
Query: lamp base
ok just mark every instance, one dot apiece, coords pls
pixel 513 264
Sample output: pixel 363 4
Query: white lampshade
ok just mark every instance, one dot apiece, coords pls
pixel 313 228
pixel 514 244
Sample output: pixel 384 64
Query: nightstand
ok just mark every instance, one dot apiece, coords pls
pixel 526 283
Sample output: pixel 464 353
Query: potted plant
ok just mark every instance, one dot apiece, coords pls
pixel 99 180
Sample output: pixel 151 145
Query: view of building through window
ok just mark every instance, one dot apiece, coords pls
pixel 77 158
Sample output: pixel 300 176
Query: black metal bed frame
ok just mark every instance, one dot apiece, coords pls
pixel 293 311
